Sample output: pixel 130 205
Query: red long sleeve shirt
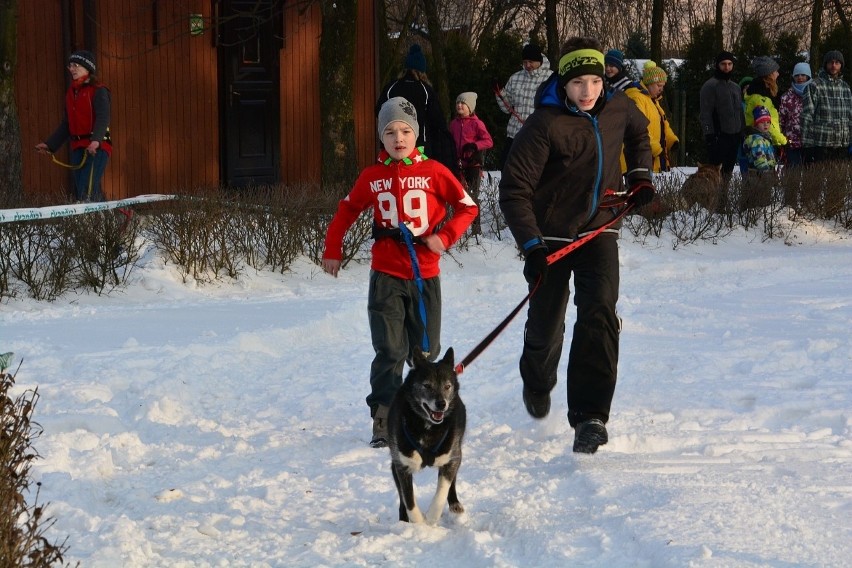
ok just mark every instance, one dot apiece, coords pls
pixel 415 191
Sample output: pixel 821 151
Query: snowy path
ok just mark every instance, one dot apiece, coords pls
pixel 225 426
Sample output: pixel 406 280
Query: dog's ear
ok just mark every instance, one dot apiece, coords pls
pixel 449 357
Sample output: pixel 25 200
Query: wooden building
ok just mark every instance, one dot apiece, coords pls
pixel 204 92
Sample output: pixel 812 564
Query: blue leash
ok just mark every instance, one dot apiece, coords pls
pixel 408 237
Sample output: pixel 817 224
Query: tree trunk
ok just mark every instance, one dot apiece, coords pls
pixel 438 73
pixel 816 30
pixel 657 11
pixel 718 25
pixel 11 189
pixel 337 106
pixel 552 26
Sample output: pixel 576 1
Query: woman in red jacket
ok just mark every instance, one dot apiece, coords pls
pixel 86 125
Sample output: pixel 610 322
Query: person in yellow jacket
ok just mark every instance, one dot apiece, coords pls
pixel 647 95
pixel 763 91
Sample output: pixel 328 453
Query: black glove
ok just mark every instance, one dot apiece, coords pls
pixel 641 193
pixel 535 267
pixel 468 150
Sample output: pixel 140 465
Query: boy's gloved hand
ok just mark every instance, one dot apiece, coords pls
pixel 641 193
pixel 535 267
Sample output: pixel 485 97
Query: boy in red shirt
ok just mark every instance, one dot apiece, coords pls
pixel 409 195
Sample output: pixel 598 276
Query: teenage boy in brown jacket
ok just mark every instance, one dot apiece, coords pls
pixel 561 163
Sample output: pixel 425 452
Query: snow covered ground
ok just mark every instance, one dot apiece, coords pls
pixel 226 426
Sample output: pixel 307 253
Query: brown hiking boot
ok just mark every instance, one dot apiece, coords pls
pixel 380 427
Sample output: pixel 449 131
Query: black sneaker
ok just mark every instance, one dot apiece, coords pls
pixel 538 404
pixel 589 435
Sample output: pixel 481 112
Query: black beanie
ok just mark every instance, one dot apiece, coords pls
pixel 724 56
pixel 83 58
pixel 532 52
pixel 833 55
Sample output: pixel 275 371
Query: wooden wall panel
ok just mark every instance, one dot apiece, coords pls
pixel 300 111
pixel 366 79
pixel 164 91
pixel 40 79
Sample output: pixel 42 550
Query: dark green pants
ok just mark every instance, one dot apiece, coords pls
pixel 393 305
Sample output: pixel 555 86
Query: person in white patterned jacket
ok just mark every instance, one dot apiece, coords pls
pixel 517 98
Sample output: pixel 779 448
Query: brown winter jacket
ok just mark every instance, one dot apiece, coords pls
pixel 555 174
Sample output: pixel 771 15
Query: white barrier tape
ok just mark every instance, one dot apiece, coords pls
pixel 12 215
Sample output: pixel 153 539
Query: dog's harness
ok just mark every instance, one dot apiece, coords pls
pixel 420 449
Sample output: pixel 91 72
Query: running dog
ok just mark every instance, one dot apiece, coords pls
pixel 426 423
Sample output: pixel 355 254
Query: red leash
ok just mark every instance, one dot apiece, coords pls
pixel 551 258
pixel 499 92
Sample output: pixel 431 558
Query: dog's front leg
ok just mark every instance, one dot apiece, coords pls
pixel 446 482
pixel 408 509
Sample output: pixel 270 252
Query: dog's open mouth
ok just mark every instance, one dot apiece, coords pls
pixel 436 416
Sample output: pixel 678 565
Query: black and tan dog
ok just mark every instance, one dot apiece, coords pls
pixel 426 424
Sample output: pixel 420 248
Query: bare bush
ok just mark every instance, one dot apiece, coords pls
pixel 194 232
pixel 23 526
pixel 107 248
pixel 42 256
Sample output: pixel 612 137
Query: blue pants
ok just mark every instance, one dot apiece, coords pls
pixel 87 180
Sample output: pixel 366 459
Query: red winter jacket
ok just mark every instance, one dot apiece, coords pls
pixel 417 191
pixel 87 117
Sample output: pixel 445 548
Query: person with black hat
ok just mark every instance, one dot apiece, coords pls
pixel 721 115
pixel 413 84
pixel 616 76
pixel 827 113
pixel 551 190
pixel 86 125
pixel 517 98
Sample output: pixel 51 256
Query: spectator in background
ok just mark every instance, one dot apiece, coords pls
pixel 763 92
pixel 86 125
pixel 472 139
pixel 721 115
pixel 827 113
pixel 790 116
pixel 616 76
pixel 760 151
pixel 413 85
pixel 647 95
pixel 790 113
pixel 742 159
pixel 517 98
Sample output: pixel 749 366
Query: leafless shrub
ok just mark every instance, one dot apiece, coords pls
pixel 41 256
pixel 193 232
pixel 106 242
pixel 23 526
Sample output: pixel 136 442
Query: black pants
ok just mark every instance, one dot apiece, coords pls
pixel 593 358
pixel 724 151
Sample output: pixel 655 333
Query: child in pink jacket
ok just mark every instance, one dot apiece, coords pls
pixel 471 139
